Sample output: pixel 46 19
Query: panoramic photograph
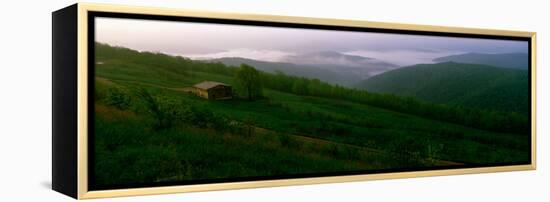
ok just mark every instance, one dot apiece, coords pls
pixel 186 102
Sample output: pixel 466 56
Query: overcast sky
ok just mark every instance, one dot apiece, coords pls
pixel 205 40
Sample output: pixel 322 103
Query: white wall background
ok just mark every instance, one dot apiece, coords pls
pixel 25 100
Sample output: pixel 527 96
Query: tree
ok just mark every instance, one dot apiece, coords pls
pixel 300 86
pixel 248 79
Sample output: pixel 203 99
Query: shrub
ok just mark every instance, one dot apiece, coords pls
pixel 164 111
pixel 204 118
pixel 168 111
pixel 333 128
pixel 118 97
pixel 288 142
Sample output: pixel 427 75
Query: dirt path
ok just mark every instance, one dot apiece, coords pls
pixel 321 141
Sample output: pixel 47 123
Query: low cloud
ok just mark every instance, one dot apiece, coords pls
pixel 263 55
pixel 403 57
pixel 398 57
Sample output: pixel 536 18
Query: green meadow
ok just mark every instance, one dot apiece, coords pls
pixel 149 128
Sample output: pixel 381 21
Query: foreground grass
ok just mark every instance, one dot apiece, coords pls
pixel 130 152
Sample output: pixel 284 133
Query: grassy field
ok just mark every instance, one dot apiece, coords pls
pixel 148 129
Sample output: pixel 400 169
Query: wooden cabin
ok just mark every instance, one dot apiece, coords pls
pixel 213 90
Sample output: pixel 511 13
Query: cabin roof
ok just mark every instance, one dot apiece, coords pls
pixel 205 85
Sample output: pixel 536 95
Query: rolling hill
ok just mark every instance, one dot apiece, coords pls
pixel 469 85
pixel 506 60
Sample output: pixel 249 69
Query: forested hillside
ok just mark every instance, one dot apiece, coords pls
pixel 468 85
pixel 506 60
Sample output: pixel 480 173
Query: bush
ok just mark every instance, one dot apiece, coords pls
pixel 118 97
pixel 164 111
pixel 204 118
pixel 288 142
pixel 333 128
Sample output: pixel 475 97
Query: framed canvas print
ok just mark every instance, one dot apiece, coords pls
pixel 152 101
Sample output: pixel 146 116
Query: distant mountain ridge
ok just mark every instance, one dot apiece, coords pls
pixel 507 60
pixel 329 66
pixel 364 66
pixel 330 57
pixel 470 85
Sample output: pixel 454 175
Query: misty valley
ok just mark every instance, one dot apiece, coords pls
pixel 164 118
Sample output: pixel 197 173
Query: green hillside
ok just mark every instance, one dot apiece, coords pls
pixel 452 83
pixel 149 128
pixel 506 60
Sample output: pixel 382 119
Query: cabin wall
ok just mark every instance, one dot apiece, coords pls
pixel 201 93
pixel 220 92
